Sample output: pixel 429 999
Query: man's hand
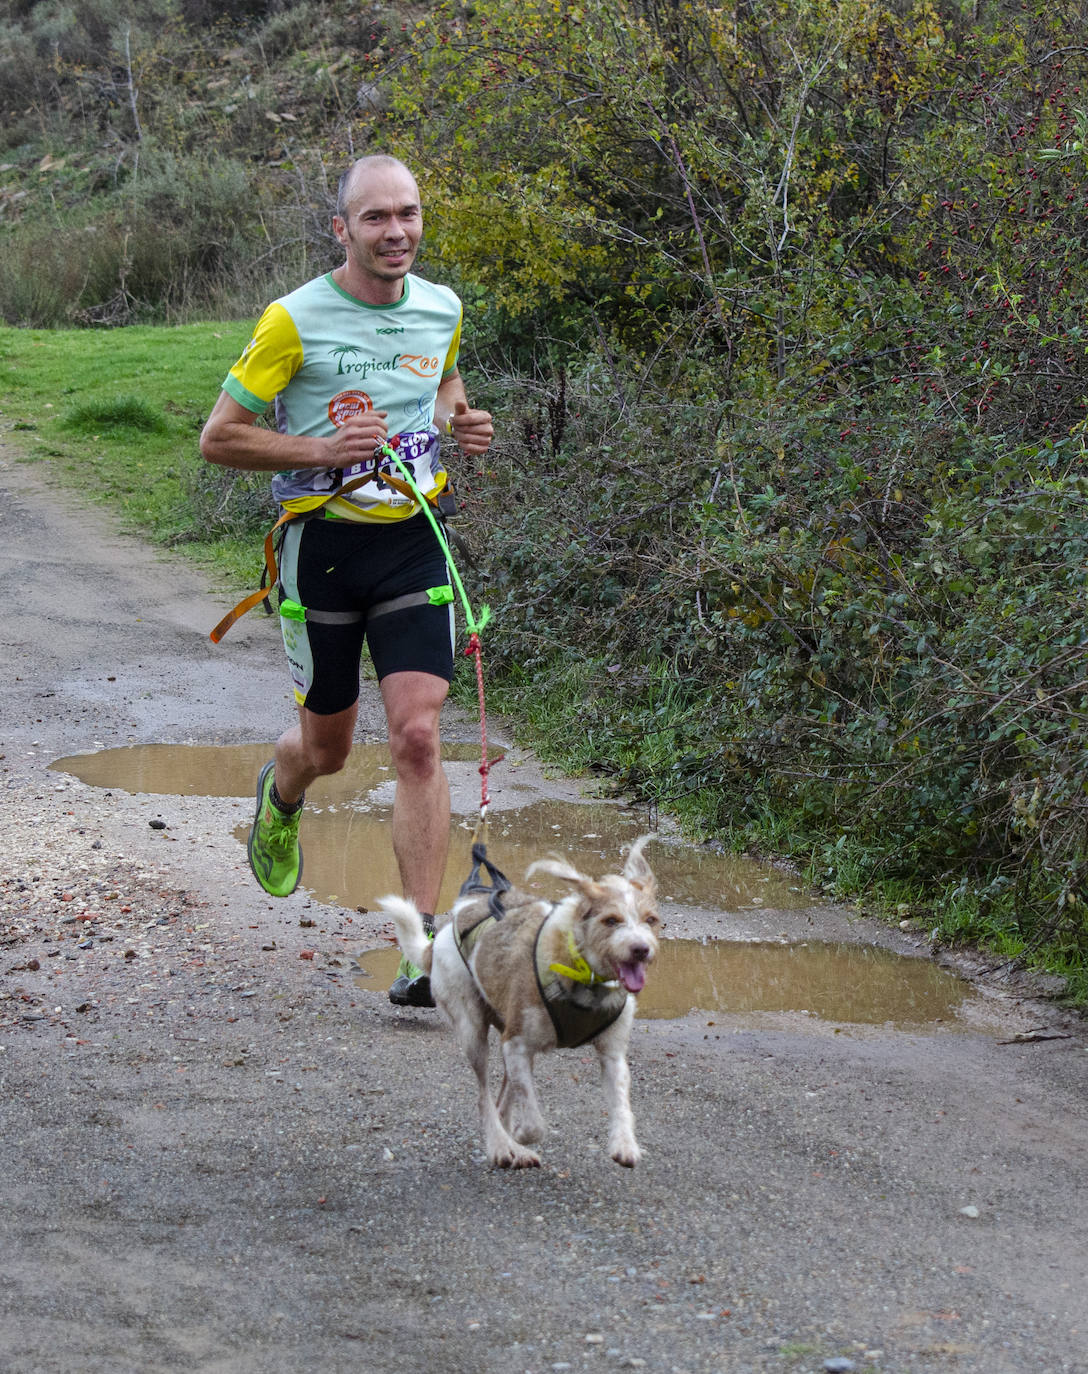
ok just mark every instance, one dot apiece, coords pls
pixel 472 429
pixel 357 439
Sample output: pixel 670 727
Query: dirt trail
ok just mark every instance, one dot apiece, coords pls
pixel 227 1157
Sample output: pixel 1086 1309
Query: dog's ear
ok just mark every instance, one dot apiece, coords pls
pixel 637 870
pixel 559 868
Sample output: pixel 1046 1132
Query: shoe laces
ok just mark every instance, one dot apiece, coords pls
pixel 280 831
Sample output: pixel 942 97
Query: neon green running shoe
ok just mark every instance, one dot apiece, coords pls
pixel 274 852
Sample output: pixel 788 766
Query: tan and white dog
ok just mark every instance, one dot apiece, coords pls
pixel 547 975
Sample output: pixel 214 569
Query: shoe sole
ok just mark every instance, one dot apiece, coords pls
pixel 253 831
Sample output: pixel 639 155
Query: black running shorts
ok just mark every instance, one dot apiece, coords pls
pixel 341 571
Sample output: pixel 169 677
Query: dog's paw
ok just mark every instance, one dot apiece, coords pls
pixel 526 1130
pixel 626 1152
pixel 514 1158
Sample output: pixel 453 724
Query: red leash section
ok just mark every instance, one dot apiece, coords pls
pixel 485 767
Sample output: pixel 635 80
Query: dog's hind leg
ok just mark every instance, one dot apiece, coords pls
pixel 503 1150
pixel 518 1105
pixel 616 1077
pixel 469 1021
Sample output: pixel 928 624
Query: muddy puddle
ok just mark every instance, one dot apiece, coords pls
pixel 348 862
pixel 347 856
pixel 852 984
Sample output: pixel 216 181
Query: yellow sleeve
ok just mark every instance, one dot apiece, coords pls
pixel 450 365
pixel 271 359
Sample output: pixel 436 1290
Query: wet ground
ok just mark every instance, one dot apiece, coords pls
pixel 228 1152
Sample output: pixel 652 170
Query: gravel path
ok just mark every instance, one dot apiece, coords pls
pixel 226 1155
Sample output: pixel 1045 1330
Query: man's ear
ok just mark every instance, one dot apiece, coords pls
pixel 340 229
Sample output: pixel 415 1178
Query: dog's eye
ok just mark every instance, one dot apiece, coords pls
pixel 652 919
pixel 612 921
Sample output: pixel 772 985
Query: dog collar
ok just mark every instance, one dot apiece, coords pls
pixel 579 971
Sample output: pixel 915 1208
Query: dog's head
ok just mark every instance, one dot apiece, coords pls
pixel 614 918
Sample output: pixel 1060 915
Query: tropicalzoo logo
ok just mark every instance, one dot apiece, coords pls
pixel 348 364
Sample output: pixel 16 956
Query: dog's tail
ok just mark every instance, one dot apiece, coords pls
pixel 411 936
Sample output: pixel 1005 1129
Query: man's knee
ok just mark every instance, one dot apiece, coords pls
pixel 327 757
pixel 415 746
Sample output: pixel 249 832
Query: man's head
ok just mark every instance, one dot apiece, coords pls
pixel 379 222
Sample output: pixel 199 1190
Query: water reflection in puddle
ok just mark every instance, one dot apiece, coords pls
pixel 857 984
pixel 347 855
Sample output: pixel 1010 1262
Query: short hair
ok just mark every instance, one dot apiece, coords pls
pixel 343 186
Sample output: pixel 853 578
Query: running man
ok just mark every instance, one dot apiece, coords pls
pixel 362 356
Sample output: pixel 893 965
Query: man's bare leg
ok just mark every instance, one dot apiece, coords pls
pixel 314 748
pixel 317 745
pixel 421 806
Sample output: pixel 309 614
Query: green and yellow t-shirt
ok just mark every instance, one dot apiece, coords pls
pixel 320 356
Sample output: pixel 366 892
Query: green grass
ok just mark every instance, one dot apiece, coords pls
pixel 117 413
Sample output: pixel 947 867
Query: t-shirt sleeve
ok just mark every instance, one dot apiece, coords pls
pixel 450 365
pixel 270 360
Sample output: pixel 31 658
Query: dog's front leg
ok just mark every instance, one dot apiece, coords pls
pixel 519 1106
pixel 616 1077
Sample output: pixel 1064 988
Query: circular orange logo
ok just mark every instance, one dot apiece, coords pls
pixel 348 403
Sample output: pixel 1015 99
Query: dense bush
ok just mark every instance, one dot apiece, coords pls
pixel 816 556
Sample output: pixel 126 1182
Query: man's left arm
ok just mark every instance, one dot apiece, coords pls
pixel 472 429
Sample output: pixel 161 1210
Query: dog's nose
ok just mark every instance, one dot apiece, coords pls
pixel 640 953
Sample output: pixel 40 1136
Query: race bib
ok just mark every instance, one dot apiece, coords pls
pixel 416 449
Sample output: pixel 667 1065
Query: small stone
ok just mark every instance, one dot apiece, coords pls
pixel 839 1365
pixel 157 825
pixel 971 1212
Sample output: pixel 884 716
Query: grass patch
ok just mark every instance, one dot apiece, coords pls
pixel 126 412
pixel 118 413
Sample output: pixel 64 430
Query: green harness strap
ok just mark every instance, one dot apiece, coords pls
pixel 474 625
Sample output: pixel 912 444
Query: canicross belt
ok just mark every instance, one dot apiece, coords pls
pixel 272 570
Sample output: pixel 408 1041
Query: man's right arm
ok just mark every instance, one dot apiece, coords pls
pixel 232 439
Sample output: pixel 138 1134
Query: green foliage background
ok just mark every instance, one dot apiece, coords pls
pixel 781 310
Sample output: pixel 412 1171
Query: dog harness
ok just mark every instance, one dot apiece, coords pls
pixel 580 1003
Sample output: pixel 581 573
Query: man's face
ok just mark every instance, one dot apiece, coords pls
pixel 382 228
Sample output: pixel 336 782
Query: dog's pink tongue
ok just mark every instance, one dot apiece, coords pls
pixel 632 976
